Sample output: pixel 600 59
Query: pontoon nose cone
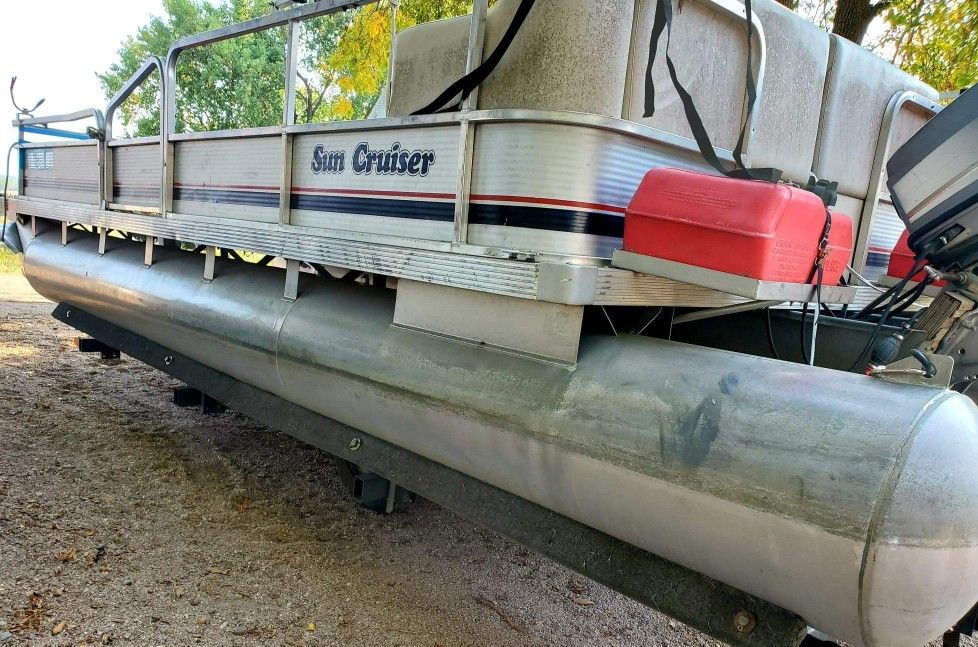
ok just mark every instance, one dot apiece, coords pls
pixel 11 238
pixel 920 567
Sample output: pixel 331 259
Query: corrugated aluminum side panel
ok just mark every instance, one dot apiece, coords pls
pixel 559 189
pixel 229 178
pixel 336 187
pixel 68 173
pixel 136 175
pixel 884 232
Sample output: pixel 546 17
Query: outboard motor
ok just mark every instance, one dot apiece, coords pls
pixel 933 180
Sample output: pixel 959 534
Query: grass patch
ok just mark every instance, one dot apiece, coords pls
pixel 9 262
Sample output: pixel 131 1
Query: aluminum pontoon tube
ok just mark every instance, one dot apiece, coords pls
pixel 850 501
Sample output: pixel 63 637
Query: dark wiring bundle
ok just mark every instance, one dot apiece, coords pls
pixel 891 297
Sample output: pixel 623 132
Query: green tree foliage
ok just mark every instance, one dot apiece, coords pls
pixel 230 84
pixel 935 40
pixel 239 83
pixel 358 66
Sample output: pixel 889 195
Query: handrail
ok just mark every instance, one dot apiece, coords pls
pixel 275 19
pixel 138 78
pixel 882 154
pixel 151 63
pixel 29 125
pixel 87 113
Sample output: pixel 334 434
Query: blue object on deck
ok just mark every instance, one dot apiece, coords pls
pixel 54 132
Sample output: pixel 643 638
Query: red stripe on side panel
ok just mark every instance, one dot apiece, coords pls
pixel 241 187
pixel 553 202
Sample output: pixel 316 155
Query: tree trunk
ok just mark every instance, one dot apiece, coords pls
pixel 791 4
pixel 852 18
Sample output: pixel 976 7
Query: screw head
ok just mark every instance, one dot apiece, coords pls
pixel 744 621
pixel 355 444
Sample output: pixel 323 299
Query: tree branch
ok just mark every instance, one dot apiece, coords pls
pixel 307 97
pixel 880 7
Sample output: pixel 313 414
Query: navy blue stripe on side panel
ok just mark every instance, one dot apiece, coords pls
pixel 568 220
pixel 500 215
pixel 877 259
pixel 412 209
pixel 68 185
pixel 222 196
pixel 120 193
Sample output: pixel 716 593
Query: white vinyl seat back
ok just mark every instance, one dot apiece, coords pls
pixel 821 102
pixel 570 55
pixel 858 89
pixel 426 59
pixel 709 48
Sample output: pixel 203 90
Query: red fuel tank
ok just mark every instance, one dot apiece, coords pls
pixel 761 230
pixel 902 261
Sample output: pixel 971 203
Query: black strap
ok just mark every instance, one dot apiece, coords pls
pixel 663 20
pixel 474 79
pixel 823 249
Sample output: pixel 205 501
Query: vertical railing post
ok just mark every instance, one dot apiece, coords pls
pixel 463 189
pixel 167 128
pixel 108 181
pixel 288 119
pixel 291 68
pixel 21 161
pixel 395 5
pixel 101 154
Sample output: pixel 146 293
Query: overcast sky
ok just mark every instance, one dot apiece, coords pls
pixel 55 47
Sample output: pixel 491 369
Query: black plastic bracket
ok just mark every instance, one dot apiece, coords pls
pixel 89 345
pixel 187 396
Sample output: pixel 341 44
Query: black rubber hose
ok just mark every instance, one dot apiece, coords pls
pixel 770 335
pixel 897 289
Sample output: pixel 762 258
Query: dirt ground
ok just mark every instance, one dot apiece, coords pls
pixel 126 520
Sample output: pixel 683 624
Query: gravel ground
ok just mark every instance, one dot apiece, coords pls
pixel 126 520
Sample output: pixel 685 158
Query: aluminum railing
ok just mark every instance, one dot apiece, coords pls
pixel 41 126
pixel 289 19
pixel 151 64
pixel 884 149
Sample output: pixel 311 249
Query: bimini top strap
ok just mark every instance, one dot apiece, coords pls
pixel 663 21
pixel 474 79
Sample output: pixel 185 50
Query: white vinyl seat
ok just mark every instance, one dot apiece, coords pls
pixel 709 48
pixel 858 88
pixel 570 55
pixel 821 102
